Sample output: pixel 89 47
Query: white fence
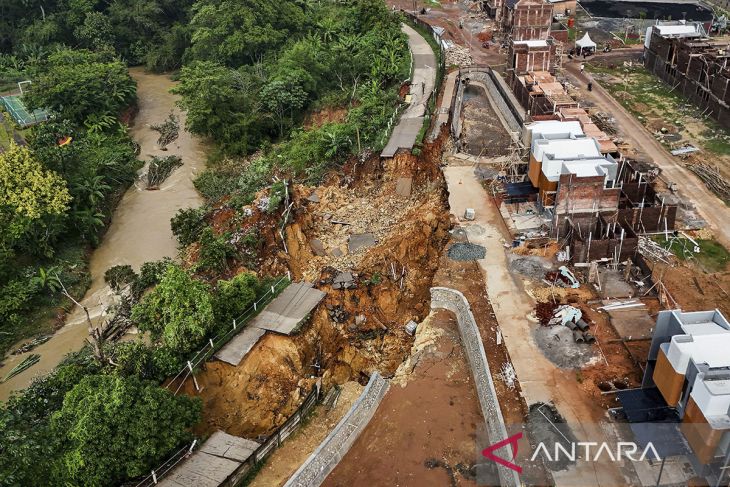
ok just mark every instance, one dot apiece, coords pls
pixel 215 343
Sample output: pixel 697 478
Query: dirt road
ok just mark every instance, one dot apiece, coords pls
pixel 541 381
pixel 449 15
pixel 710 207
pixel 423 433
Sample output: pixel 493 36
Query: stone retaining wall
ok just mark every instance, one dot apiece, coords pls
pixel 329 453
pixel 454 301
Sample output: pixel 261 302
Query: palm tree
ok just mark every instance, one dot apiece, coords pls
pixel 93 189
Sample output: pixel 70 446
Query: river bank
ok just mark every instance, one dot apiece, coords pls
pixel 140 229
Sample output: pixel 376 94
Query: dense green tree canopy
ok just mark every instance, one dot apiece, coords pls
pixel 29 193
pixel 80 84
pixel 178 311
pixel 115 428
pixel 237 32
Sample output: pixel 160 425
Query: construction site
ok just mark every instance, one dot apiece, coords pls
pixel 515 277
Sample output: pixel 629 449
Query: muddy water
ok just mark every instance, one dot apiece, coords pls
pixel 140 230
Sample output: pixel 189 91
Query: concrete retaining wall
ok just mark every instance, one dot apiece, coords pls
pixel 329 453
pixel 454 301
pixel 497 97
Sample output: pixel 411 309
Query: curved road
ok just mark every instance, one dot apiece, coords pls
pixel 709 206
pixel 423 81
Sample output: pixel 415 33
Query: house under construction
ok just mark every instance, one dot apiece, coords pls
pixel 687 380
pixel 694 65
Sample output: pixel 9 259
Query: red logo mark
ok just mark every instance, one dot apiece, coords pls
pixel 512 440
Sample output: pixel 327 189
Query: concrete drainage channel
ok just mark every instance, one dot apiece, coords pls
pixel 454 301
pixel 329 453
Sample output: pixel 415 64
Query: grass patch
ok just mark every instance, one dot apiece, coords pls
pixel 647 97
pixel 627 40
pixel 712 257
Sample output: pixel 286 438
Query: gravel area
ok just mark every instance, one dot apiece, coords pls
pixel 532 268
pixel 546 425
pixel 466 251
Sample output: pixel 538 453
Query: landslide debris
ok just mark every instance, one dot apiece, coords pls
pixel 370 238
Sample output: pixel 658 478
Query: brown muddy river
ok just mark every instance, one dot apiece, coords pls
pixel 140 229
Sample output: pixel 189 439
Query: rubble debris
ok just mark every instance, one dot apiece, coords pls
pixel 684 150
pixel 32 344
pixel 411 327
pixel 633 303
pixel 317 247
pixel 565 272
pixel 313 198
pixel 653 251
pixel 168 130
pixel 466 251
pixel 343 280
pixel 712 178
pixel 403 187
pixel 160 168
pixel 338 314
pixel 457 55
pixel 565 313
pixel 508 375
pixel 359 241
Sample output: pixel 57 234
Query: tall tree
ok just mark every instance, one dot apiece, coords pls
pixel 80 84
pixel 114 428
pixel 178 311
pixel 30 194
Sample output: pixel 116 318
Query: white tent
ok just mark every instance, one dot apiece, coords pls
pixel 585 42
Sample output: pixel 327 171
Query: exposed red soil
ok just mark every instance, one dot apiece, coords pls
pixel 434 417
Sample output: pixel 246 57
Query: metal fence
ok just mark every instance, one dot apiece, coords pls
pixel 216 343
pixel 20 113
pixel 258 455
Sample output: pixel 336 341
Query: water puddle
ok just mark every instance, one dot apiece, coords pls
pixel 140 230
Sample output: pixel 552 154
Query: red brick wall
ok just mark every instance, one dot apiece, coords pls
pixel 581 194
pixel 524 59
pixel 531 19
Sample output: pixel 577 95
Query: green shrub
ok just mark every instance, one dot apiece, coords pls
pixel 178 311
pixel 233 297
pixel 214 251
pixel 120 276
pixel 187 224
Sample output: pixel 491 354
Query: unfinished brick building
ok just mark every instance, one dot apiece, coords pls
pixel 641 208
pixel 525 20
pixel 493 8
pixel 697 67
pixel 600 237
pixel 535 55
